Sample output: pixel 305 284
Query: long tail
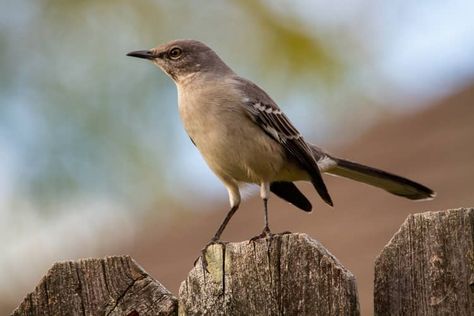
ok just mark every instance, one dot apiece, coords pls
pixel 389 182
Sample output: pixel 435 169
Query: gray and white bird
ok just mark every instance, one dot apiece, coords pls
pixel 245 137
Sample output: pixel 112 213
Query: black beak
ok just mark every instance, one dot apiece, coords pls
pixel 145 54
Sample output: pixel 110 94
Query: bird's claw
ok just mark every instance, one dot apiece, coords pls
pixel 265 233
pixel 204 264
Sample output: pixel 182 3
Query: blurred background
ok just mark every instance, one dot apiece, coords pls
pixel 94 160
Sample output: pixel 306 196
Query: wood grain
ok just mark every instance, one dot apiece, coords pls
pixel 110 286
pixel 428 266
pixel 289 274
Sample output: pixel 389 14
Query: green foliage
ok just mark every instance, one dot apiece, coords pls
pixel 289 44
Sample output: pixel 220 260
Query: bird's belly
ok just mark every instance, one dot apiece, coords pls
pixel 235 147
pixel 232 145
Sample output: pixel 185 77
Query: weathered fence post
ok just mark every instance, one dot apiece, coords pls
pixel 289 274
pixel 428 266
pixel 110 286
pixel 426 269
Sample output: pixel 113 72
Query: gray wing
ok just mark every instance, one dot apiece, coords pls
pixel 267 115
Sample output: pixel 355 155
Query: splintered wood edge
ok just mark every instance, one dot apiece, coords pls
pixel 201 289
pixel 131 275
pixel 391 274
pixel 214 253
pixel 428 215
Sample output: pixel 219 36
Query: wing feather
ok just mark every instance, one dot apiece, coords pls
pixel 266 114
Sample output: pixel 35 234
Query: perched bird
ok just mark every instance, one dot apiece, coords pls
pixel 245 137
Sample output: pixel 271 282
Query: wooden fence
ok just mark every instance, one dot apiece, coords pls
pixel 427 268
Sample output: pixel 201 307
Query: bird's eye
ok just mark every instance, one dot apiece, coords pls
pixel 175 52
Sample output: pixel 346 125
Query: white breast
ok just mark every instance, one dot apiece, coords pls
pixel 230 142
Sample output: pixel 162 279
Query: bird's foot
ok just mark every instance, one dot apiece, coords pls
pixel 265 233
pixel 213 241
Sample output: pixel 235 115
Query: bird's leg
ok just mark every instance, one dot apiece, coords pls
pixel 264 192
pixel 217 236
pixel 266 229
pixel 229 215
pixel 234 199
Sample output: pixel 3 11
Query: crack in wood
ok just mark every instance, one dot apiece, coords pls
pixel 260 285
pixel 76 270
pixel 122 295
pixel 425 269
pixel 223 272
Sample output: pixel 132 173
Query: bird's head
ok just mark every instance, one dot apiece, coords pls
pixel 182 59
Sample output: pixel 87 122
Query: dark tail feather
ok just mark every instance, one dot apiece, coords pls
pixel 389 182
pixel 320 186
pixel 290 193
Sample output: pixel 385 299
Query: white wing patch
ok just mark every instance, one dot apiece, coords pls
pixel 275 123
pixel 268 109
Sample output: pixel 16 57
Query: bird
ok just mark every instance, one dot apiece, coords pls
pixel 244 136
